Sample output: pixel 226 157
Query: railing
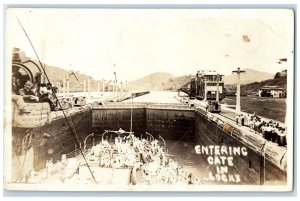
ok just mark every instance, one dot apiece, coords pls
pixel 69 112
pixel 227 127
pixel 144 105
pixel 119 105
pixel 169 106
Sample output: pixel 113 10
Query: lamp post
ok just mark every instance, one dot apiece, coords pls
pixel 217 95
pixel 64 86
pixel 103 85
pixel 84 88
pixel 109 86
pixel 68 85
pixel 89 87
pixel 238 89
pixel 98 89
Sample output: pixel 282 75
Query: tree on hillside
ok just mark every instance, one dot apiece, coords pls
pixel 277 75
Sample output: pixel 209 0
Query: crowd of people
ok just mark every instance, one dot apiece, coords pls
pixel 146 159
pixel 270 130
pixel 24 91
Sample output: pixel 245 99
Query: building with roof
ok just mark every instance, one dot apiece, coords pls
pixel 272 91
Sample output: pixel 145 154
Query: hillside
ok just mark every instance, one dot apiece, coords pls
pixel 254 87
pixel 177 82
pixel 166 81
pixel 154 81
pixel 56 74
pixel 249 76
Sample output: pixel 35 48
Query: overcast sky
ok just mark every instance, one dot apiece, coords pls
pixel 143 41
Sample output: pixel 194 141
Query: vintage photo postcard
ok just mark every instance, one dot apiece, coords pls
pixel 148 99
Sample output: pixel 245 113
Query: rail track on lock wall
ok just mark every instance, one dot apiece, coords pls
pixel 230 119
pixel 220 114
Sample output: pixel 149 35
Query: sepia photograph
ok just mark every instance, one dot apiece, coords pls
pixel 148 99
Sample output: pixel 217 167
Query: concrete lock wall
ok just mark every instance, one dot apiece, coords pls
pixel 171 124
pixel 116 118
pixel 52 140
pixel 253 168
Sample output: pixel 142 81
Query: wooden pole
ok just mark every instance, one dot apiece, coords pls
pixel 103 86
pixel 89 87
pixel 64 86
pixel 68 85
pixel 84 88
pixel 217 95
pixel 98 90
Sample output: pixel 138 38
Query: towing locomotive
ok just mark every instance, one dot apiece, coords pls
pixel 206 86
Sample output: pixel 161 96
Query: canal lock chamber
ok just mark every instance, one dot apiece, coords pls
pixel 182 128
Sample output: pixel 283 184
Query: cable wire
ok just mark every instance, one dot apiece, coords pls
pixel 55 96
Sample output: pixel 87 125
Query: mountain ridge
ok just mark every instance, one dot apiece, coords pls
pixel 167 81
pixel 248 77
pixel 153 81
pixel 56 74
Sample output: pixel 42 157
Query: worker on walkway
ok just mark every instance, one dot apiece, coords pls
pixel 242 120
pixel 251 123
pixel 282 137
pixel 268 132
pixel 237 119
